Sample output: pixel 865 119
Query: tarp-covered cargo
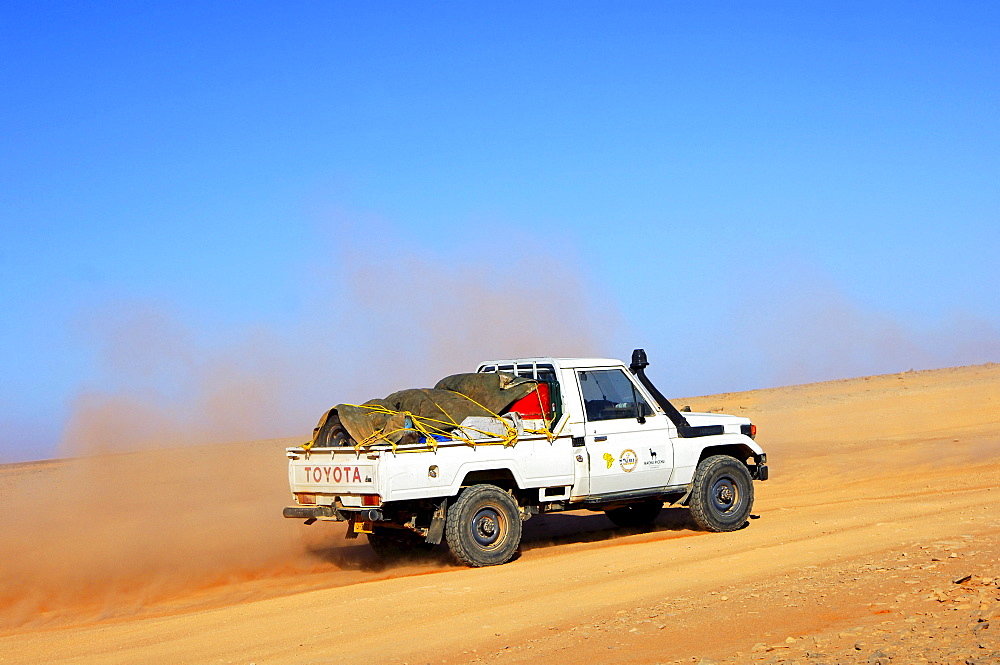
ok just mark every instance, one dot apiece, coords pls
pixel 407 416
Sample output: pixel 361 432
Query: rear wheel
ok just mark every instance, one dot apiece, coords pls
pixel 483 527
pixel 721 494
pixel 635 514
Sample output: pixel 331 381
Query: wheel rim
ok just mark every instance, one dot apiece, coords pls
pixel 725 494
pixel 488 526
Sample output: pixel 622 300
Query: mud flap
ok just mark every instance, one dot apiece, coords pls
pixel 351 532
pixel 683 501
pixel 436 531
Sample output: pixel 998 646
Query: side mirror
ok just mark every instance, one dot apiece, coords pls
pixel 640 413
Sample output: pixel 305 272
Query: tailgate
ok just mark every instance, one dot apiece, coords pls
pixel 326 472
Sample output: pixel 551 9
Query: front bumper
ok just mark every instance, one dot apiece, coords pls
pixel 759 469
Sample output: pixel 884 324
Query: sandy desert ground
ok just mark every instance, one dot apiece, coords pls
pixel 876 540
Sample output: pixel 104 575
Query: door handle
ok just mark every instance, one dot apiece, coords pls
pixel 600 438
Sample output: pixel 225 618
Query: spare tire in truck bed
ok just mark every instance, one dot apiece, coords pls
pixel 439 409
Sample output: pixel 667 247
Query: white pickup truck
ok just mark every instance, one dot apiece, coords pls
pixel 612 443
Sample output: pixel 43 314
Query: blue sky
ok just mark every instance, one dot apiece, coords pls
pixel 758 193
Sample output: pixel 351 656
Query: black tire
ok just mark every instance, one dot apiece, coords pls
pixel 333 435
pixel 722 494
pixel 483 527
pixel 635 514
pixel 394 544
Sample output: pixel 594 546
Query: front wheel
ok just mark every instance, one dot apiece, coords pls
pixel 721 494
pixel 483 527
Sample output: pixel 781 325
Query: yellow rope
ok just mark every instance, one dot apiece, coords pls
pixel 424 426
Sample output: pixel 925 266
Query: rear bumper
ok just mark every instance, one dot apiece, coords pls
pixel 311 512
pixel 331 513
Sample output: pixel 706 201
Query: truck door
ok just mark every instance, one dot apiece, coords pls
pixel 626 440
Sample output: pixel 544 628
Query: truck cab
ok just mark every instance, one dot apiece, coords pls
pixel 596 434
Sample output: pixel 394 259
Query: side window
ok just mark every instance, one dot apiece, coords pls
pixel 609 395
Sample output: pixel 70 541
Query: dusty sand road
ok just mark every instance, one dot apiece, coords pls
pixel 877 538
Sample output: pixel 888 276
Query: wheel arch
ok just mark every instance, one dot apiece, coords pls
pixel 740 451
pixel 502 477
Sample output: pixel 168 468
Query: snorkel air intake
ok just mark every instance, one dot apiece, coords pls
pixel 638 367
pixel 684 428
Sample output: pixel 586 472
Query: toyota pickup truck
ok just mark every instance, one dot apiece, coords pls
pixel 610 442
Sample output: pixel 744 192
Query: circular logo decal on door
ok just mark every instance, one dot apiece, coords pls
pixel 628 459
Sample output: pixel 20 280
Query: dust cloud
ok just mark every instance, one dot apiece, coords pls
pixel 497 299
pixel 821 335
pixel 103 535
pixel 158 498
pixel 161 387
pixel 796 325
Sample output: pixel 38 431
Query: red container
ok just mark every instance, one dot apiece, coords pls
pixel 531 407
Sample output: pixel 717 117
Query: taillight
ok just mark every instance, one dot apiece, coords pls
pixel 305 499
pixel 371 500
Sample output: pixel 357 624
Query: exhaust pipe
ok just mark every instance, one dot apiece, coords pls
pixel 371 515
